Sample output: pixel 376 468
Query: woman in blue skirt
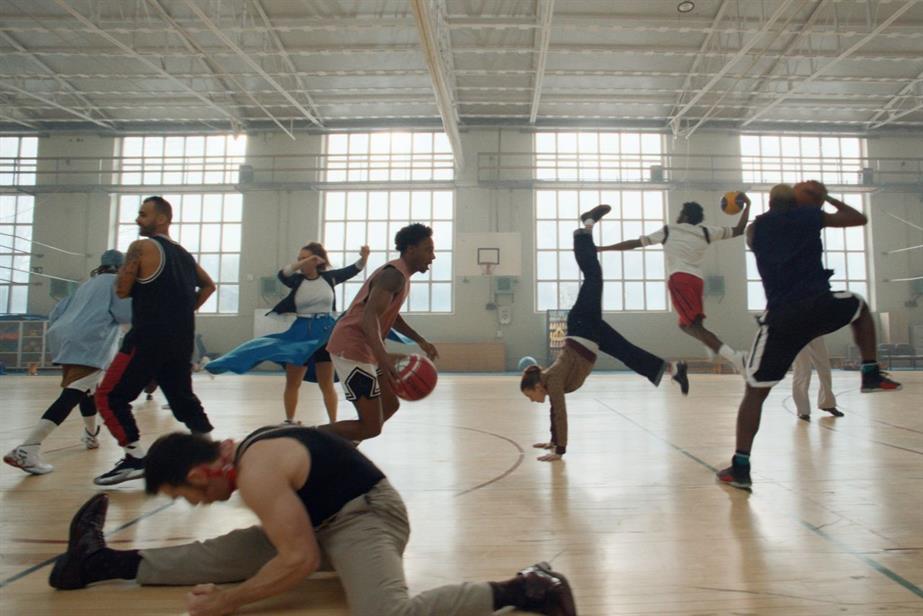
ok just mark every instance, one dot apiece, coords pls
pixel 301 349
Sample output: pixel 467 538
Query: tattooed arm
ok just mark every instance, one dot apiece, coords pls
pixel 131 269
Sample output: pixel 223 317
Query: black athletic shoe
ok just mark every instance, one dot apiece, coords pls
pixel 834 411
pixel 804 417
pixel 680 375
pixel 546 591
pixel 736 476
pixel 879 381
pixel 85 538
pixel 126 469
pixel 596 213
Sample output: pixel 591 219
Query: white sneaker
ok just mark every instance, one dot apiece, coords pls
pixel 28 459
pixel 90 441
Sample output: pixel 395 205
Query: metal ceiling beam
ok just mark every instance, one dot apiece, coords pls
pixel 213 68
pixel 286 58
pixel 224 38
pixel 806 28
pixel 9 118
pixel 48 101
pixel 719 15
pixel 904 92
pixel 54 75
pixel 520 50
pixel 780 10
pixel 146 61
pixel 843 55
pixel 439 76
pixel 542 41
pixel 896 116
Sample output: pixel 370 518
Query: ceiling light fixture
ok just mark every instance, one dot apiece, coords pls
pixel 686 6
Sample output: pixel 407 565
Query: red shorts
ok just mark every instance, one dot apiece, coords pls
pixel 686 292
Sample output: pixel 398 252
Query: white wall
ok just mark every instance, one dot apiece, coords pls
pixel 277 222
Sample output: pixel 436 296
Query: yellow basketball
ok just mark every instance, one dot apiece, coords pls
pixel 733 202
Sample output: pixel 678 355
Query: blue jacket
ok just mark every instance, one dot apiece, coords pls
pixel 84 326
pixel 333 278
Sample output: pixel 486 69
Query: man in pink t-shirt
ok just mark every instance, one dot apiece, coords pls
pixel 356 345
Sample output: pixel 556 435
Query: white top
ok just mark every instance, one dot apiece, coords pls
pixel 685 245
pixel 313 297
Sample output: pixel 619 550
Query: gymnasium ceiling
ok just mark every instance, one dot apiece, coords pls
pixel 192 65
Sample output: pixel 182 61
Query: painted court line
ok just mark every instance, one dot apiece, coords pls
pixel 871 562
pixel 45 563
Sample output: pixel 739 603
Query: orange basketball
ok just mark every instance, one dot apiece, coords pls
pixel 417 377
pixel 805 195
pixel 733 202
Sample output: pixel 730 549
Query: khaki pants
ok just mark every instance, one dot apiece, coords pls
pixel 815 354
pixel 364 543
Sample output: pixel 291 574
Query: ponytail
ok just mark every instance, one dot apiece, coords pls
pixel 531 377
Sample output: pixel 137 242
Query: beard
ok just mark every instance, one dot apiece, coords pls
pixel 146 231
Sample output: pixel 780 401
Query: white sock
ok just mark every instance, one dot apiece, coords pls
pixel 727 353
pixel 40 432
pixel 588 223
pixel 135 450
pixel 89 424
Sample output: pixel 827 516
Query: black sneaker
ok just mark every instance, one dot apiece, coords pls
pixel 736 476
pixel 680 375
pixel 596 213
pixel 126 469
pixel 878 381
pixel 834 411
pixel 85 538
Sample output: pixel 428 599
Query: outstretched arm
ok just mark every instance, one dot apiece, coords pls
pixel 626 245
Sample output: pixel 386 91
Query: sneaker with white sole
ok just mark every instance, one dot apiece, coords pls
pixel 126 469
pixel 28 459
pixel 90 441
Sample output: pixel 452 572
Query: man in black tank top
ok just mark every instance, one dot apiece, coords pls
pixel 319 500
pixel 167 286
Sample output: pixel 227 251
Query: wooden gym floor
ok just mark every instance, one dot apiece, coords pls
pixel 633 515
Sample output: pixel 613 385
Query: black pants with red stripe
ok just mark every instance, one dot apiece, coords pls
pixel 585 318
pixel 138 362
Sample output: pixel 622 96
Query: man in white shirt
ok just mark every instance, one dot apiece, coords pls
pixel 684 245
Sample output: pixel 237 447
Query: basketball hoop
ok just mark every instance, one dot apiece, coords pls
pixel 488 258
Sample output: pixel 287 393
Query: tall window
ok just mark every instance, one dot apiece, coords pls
pixel 194 159
pixel 15 252
pixel 771 159
pixel 389 157
pixel 844 253
pixel 356 217
pixel 412 162
pixel 597 156
pixel 208 226
pixel 17 168
pixel 634 280
pixel 18 161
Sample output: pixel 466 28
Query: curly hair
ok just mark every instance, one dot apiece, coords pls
pixel 411 235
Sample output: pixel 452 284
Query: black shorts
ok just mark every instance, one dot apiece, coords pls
pixel 784 332
pixel 319 355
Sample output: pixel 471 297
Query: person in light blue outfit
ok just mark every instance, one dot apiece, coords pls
pixel 83 335
pixel 301 348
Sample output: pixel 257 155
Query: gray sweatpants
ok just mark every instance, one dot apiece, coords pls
pixel 364 543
